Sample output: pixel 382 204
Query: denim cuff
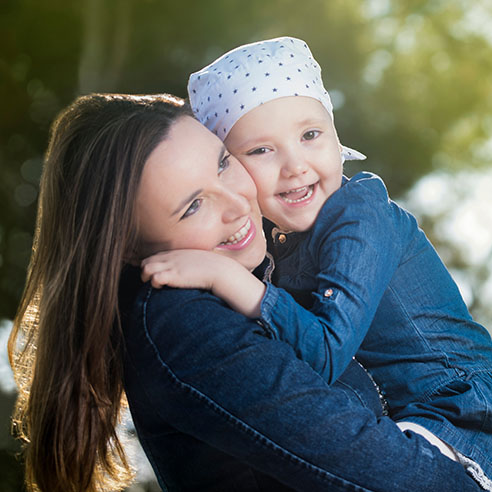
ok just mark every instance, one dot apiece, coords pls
pixel 267 307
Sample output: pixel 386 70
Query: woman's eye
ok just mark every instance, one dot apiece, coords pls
pixel 194 207
pixel 224 163
pixel 258 151
pixel 311 135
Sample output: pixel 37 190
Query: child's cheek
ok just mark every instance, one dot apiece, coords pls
pixel 265 183
pixel 253 170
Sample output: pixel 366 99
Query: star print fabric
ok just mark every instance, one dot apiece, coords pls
pixel 254 74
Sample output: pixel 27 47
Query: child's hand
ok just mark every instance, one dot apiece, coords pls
pixel 184 268
pixel 197 269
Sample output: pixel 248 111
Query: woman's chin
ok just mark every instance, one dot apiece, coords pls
pixel 256 259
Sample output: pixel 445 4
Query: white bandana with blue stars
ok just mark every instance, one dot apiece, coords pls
pixel 253 74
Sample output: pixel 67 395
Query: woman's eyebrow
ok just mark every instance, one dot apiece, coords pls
pixel 193 195
pixel 187 200
pixel 221 154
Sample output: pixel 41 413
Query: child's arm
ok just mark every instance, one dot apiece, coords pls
pixel 282 317
pixel 346 296
pixel 358 244
pixel 197 269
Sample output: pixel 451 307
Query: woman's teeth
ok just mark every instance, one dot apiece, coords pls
pixel 239 235
pixel 298 195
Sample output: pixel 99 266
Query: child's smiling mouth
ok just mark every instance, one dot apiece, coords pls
pixel 298 195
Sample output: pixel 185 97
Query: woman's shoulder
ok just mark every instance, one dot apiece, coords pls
pixel 177 327
pixel 137 296
pixel 180 311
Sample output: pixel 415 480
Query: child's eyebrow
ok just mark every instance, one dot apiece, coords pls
pixel 252 142
pixel 315 120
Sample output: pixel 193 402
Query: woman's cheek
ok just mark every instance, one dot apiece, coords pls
pixel 203 234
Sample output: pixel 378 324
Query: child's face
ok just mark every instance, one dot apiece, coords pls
pixel 290 147
pixel 193 196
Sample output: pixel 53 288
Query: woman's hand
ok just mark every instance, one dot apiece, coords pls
pixel 198 269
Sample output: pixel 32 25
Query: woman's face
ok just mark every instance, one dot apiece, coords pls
pixel 194 195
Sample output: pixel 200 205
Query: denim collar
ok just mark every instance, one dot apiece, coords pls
pixel 280 243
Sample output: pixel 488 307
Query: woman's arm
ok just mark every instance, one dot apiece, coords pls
pixel 208 372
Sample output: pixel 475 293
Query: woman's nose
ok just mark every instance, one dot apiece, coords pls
pixel 236 206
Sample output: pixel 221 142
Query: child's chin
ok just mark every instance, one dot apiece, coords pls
pixel 298 224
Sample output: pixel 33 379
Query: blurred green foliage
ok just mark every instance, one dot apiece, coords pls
pixel 411 81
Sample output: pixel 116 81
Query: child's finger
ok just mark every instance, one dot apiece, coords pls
pixel 154 258
pixel 159 279
pixel 155 282
pixel 150 269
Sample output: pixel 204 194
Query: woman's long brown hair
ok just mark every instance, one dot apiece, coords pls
pixel 66 344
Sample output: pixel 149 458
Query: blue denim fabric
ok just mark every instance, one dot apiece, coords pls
pixel 218 406
pixel 380 291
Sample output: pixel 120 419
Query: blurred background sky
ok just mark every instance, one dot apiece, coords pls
pixel 411 82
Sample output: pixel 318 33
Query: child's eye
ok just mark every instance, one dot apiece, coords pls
pixel 193 208
pixel 311 135
pixel 224 163
pixel 258 151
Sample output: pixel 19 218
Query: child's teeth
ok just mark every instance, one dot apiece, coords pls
pixel 297 189
pixel 309 190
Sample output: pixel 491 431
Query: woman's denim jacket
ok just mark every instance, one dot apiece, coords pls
pixel 376 288
pixel 219 406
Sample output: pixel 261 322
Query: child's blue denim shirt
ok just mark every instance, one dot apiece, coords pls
pixel 376 288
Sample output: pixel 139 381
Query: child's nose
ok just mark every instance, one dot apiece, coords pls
pixel 293 165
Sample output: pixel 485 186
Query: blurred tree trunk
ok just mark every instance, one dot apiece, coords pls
pixel 105 44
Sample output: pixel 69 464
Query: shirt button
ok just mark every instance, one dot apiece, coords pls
pixel 328 292
pixel 282 238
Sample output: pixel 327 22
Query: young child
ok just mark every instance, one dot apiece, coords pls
pixel 377 288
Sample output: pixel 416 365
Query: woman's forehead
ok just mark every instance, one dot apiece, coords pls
pixel 185 158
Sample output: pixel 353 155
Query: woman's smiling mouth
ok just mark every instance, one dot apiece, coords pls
pixel 241 238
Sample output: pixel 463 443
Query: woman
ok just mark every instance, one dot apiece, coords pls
pixel 217 404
